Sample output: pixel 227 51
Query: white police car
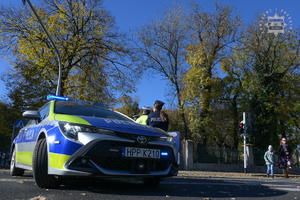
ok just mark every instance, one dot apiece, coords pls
pixel 68 137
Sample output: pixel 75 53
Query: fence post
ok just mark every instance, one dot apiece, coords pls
pixel 250 160
pixel 188 149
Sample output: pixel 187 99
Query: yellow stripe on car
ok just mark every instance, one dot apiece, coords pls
pixel 57 160
pixel 51 113
pixel 24 157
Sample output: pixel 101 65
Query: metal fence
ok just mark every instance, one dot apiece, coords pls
pixel 220 156
pixel 296 158
pixel 235 156
pixel 258 157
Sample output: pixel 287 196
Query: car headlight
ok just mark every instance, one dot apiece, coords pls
pixel 71 130
pixel 167 139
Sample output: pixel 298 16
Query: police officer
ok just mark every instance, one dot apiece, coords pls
pixel 158 118
pixel 135 117
pixel 142 119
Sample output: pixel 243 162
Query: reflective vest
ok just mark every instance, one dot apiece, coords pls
pixel 142 119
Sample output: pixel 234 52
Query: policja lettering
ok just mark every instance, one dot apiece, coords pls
pixel 155 119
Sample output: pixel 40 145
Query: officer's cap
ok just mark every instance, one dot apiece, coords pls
pixel 146 108
pixel 160 102
pixel 136 116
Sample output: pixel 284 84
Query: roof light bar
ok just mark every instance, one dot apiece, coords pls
pixel 59 98
pixel 54 97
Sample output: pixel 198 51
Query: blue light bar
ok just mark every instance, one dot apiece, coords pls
pixel 54 97
pixel 164 153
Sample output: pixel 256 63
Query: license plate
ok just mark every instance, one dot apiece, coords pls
pixel 140 152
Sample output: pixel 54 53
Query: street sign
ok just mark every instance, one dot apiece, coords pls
pixel 20 123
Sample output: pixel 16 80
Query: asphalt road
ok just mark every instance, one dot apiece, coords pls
pixel 187 185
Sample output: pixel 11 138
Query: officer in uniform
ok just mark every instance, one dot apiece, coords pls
pixel 158 118
pixel 142 119
pixel 135 117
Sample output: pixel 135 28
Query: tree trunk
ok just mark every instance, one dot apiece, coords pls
pixel 235 122
pixel 182 112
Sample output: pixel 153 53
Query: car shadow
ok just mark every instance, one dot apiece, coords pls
pixel 175 187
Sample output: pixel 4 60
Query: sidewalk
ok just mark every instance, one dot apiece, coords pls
pixel 232 174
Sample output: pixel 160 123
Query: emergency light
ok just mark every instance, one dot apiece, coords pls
pixel 59 98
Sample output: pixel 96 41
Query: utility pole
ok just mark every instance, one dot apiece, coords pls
pixel 56 50
pixel 245 151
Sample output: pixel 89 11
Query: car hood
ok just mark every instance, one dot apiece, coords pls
pixel 112 124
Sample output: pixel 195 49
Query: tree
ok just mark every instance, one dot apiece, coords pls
pixel 92 50
pixel 232 94
pixel 269 63
pixel 26 92
pixel 8 117
pixel 159 47
pixel 213 34
pixel 129 105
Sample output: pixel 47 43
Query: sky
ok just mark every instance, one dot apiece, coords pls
pixel 132 13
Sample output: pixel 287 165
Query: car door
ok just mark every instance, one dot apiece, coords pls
pixel 28 137
pixel 24 145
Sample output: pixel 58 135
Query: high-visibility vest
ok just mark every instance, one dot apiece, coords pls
pixel 142 119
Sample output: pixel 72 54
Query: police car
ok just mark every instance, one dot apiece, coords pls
pixel 68 137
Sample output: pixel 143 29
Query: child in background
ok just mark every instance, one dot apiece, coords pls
pixel 270 159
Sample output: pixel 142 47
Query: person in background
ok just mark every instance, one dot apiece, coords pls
pixel 158 118
pixel 284 151
pixel 143 119
pixel 135 117
pixel 270 159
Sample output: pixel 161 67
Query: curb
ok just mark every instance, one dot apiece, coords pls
pixel 233 174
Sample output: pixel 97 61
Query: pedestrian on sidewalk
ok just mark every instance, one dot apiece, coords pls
pixel 270 159
pixel 284 151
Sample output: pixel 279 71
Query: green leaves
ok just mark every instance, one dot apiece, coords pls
pixel 213 34
pixel 92 51
pixel 129 105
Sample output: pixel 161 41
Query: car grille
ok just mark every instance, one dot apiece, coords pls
pixel 101 153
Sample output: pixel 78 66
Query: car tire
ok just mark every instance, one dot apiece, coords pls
pixel 153 182
pixel 40 166
pixel 14 171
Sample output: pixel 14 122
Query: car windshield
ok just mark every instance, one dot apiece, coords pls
pixel 75 108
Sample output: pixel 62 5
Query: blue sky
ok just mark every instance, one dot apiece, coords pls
pixel 132 13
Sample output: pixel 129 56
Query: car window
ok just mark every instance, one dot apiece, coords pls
pixel 75 108
pixel 44 111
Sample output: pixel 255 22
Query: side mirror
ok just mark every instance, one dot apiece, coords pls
pixel 31 114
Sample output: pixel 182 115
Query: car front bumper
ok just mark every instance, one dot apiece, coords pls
pixel 102 156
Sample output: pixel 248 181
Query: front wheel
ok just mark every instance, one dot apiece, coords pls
pixel 14 171
pixel 153 182
pixel 40 166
